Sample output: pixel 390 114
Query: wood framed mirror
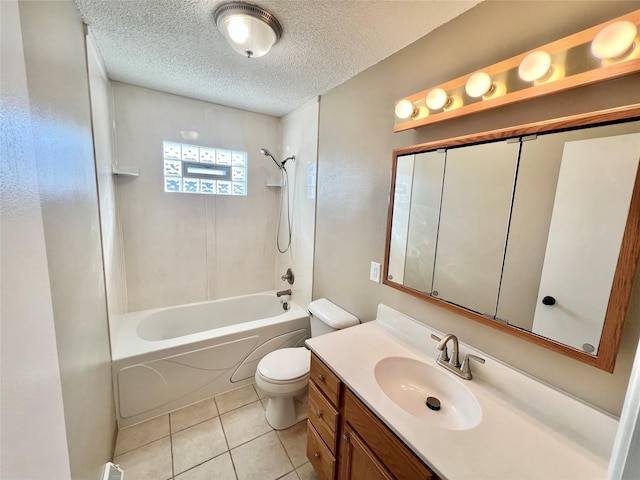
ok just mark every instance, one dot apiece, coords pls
pixel 532 229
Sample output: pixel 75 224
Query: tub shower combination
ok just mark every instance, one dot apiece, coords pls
pixel 168 358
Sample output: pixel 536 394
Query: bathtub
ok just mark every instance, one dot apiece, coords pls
pixel 168 358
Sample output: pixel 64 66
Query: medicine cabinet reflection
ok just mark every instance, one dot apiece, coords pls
pixel 532 234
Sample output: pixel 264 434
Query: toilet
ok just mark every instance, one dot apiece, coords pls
pixel 284 374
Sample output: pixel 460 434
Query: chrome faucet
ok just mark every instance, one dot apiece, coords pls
pixel 453 363
pixel 283 292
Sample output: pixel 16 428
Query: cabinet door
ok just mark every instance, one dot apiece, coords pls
pixel 587 225
pixel 474 219
pixel 360 462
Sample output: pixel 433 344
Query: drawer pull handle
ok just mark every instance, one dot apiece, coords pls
pixel 320 377
pixel 319 414
pixel 317 455
pixel 345 439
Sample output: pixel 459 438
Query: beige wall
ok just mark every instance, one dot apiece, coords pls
pixel 354 167
pixel 58 91
pixel 33 441
pixel 300 138
pixel 182 248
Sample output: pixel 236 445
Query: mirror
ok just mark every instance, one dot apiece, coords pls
pixel 534 234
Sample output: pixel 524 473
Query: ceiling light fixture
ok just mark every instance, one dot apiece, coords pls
pixel 250 30
pixel 564 64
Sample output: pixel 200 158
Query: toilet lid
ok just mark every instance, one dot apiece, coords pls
pixel 285 363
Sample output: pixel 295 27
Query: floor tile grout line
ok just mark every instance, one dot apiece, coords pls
pixel 141 445
pixel 173 469
pixel 284 446
pixel 208 460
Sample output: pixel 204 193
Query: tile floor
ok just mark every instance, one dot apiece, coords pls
pixel 225 437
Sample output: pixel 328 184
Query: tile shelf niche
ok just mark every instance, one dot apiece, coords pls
pixel 572 54
pixel 125 170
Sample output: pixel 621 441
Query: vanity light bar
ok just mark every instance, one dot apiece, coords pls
pixel 604 52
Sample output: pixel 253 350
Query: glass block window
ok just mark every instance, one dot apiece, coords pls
pixel 205 170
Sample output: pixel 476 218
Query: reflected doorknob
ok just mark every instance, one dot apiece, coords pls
pixel 548 300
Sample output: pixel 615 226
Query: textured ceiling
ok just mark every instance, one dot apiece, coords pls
pixel 174 46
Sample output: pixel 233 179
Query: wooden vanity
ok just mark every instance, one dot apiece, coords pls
pixel 345 440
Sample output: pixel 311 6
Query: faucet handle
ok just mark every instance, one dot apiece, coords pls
pixel 444 355
pixel 465 363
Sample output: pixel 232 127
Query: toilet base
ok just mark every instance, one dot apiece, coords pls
pixel 282 413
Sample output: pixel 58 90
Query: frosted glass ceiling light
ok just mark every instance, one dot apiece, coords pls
pixel 615 42
pixel 250 30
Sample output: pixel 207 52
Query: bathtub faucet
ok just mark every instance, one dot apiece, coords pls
pixel 283 292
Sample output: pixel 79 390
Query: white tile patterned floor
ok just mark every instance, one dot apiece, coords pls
pixel 225 437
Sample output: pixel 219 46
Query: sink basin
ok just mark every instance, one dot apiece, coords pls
pixel 408 383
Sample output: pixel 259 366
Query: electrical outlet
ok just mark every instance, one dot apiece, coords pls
pixel 374 273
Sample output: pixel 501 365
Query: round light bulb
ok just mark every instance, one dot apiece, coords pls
pixel 535 66
pixel 437 99
pixel 614 40
pixel 478 84
pixel 404 109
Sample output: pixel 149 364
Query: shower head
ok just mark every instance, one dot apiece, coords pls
pixel 267 153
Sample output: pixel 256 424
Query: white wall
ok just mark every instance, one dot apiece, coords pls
pixel 113 255
pixel 300 138
pixel 33 440
pixel 58 89
pixel 182 248
pixel 625 461
pixel 354 168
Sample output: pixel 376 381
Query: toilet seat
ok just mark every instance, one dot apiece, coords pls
pixel 286 365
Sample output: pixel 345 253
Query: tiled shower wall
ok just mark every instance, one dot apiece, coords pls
pixel 180 247
pixel 300 138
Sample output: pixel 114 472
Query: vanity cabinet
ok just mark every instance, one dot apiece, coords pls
pixel 345 440
pixel 323 419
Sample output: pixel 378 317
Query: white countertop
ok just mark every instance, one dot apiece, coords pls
pixel 528 429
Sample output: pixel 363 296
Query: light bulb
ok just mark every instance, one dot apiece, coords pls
pixel 535 66
pixel 437 99
pixel 404 109
pixel 479 84
pixel 238 28
pixel 615 41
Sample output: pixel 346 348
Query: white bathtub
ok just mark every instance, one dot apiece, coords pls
pixel 168 358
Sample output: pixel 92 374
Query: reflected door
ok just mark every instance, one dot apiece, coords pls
pixel 424 214
pixel 400 218
pixel 476 201
pixel 587 225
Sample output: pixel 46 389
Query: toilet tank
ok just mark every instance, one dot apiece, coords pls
pixel 327 317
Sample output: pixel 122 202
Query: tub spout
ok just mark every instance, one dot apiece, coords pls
pixel 283 292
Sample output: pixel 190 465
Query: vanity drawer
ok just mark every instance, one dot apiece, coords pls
pixel 323 461
pixel 323 417
pixel 325 380
pixel 393 453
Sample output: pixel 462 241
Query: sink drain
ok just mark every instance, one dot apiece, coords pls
pixel 433 403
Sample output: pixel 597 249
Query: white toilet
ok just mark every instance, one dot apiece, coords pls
pixel 284 374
